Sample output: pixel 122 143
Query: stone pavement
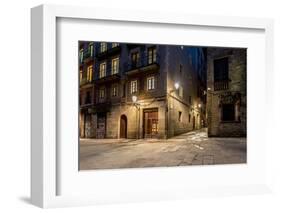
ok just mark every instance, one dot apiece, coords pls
pixel 193 148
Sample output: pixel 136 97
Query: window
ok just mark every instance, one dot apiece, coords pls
pixel 189 118
pixel 180 116
pixel 135 57
pixel 150 83
pixel 101 94
pixel 115 66
pixel 81 75
pixel 180 68
pixel 89 73
pixel 81 55
pixel 190 100
pixel 91 48
pixel 221 69
pixel 134 86
pixel 102 70
pixel 114 90
pixel 228 112
pixel 103 47
pixel 181 91
pixel 151 55
pixel 115 45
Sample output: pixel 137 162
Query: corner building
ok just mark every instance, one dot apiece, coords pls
pixel 149 73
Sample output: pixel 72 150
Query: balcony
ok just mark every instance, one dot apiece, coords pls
pixel 142 65
pixel 108 78
pixel 85 83
pixel 87 56
pixel 109 52
pixel 221 85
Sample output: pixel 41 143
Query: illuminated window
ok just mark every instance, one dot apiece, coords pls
pixel 115 65
pixel 80 75
pixel 102 70
pixel 150 83
pixel 115 45
pixel 134 86
pixel 103 47
pixel 114 90
pixel 89 73
pixel 151 55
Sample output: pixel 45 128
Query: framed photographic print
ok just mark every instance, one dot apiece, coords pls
pixel 129 106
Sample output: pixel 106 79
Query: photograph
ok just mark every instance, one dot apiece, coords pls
pixel 161 105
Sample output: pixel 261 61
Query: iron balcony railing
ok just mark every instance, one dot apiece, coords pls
pixel 221 85
pixel 108 52
pixel 85 81
pixel 141 62
pixel 110 73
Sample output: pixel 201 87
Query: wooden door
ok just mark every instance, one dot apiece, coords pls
pixel 150 123
pixel 123 126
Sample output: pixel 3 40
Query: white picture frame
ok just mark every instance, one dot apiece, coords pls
pixel 45 170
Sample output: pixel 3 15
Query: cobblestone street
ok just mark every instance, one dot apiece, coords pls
pixel 193 148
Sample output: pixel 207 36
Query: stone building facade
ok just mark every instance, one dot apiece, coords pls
pixel 226 92
pixel 147 73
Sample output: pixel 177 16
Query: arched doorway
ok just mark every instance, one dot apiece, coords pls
pixel 123 126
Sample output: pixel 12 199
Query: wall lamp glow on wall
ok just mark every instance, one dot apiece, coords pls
pixel 177 85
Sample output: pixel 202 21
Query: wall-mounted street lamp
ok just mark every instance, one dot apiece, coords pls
pixel 134 99
pixel 199 105
pixel 177 85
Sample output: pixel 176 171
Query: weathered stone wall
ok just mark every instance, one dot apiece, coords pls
pixel 237 87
